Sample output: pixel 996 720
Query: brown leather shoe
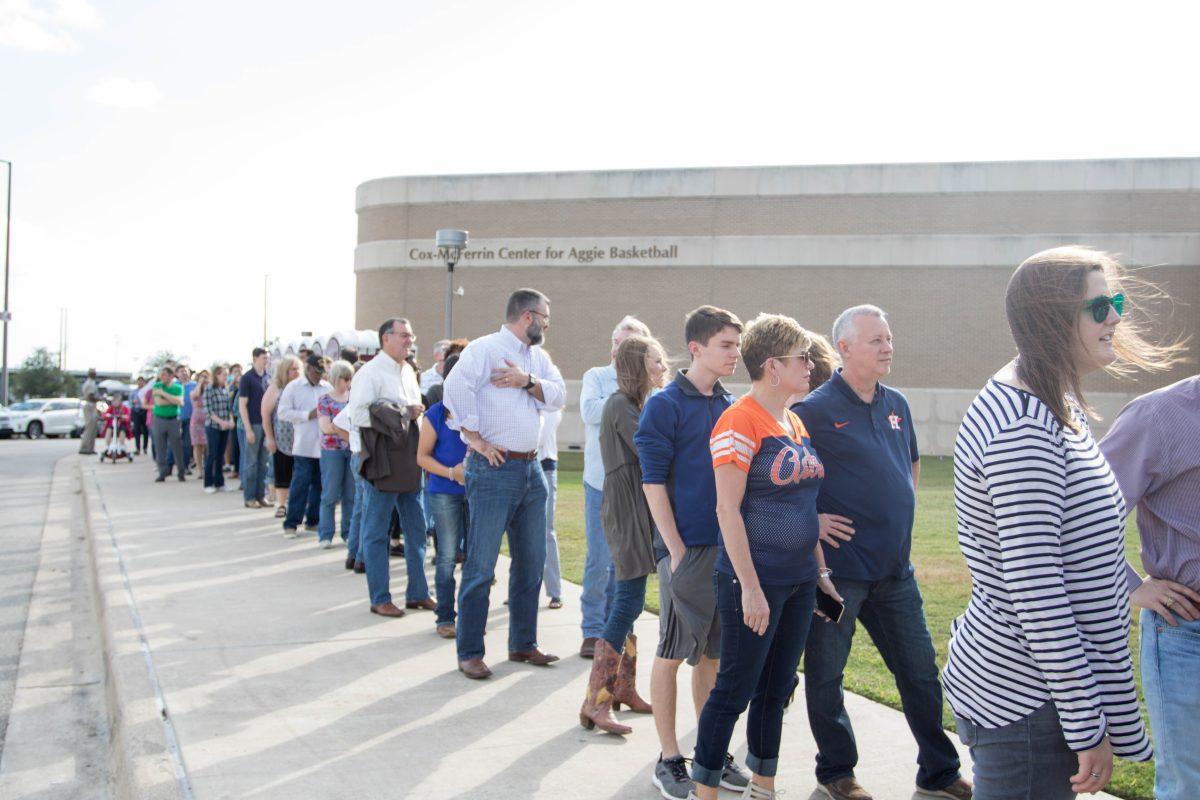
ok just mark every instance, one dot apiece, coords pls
pixel 428 604
pixel 588 648
pixel 475 669
pixel 959 790
pixel 446 631
pixel 387 610
pixel 534 656
pixel 845 789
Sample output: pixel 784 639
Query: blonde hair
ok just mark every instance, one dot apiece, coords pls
pixel 1043 302
pixel 280 378
pixel 767 336
pixel 338 370
pixel 633 325
pixel 633 378
pixel 824 360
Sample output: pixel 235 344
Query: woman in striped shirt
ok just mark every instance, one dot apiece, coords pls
pixel 1039 674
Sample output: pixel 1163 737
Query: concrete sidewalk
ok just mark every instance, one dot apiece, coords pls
pixel 278 683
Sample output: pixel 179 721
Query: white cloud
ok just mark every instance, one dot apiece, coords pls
pixel 44 27
pixel 125 93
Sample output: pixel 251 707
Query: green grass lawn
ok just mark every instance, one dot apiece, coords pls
pixel 941 572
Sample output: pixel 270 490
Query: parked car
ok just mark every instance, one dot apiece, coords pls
pixel 55 416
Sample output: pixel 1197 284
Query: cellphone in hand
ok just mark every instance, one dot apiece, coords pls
pixel 830 607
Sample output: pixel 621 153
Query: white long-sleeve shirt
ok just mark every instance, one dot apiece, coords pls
pixel 298 400
pixel 510 418
pixel 599 383
pixel 381 379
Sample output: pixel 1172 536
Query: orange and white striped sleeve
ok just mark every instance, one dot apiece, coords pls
pixel 734 440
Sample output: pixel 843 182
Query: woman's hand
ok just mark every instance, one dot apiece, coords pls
pixel 825 584
pixel 270 442
pixel 1164 597
pixel 493 454
pixel 1095 768
pixel 458 473
pixel 755 611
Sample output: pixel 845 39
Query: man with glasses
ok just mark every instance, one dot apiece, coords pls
pixel 496 395
pixel 863 433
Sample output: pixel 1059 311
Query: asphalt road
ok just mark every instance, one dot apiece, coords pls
pixel 25 472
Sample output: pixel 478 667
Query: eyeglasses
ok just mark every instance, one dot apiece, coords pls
pixel 546 317
pixel 1099 306
pixel 805 354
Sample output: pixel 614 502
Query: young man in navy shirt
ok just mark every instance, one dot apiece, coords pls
pixel 677 478
pixel 863 433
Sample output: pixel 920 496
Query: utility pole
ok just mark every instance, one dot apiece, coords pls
pixel 264 339
pixel 6 315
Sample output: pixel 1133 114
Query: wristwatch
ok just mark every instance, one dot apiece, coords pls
pixel 532 383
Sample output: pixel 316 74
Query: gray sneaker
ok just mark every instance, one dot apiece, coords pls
pixel 733 777
pixel 671 778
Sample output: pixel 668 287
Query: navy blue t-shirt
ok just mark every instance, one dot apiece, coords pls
pixel 253 387
pixel 868 452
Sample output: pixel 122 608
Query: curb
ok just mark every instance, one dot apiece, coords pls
pixel 145 760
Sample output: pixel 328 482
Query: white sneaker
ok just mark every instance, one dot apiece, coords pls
pixel 210 490
pixel 327 545
pixel 290 533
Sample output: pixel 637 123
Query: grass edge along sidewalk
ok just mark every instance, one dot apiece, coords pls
pixel 941 573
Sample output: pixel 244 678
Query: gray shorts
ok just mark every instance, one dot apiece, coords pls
pixel 688 626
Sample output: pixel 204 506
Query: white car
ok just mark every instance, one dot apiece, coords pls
pixel 55 416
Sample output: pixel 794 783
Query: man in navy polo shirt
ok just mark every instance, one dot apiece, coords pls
pixel 863 433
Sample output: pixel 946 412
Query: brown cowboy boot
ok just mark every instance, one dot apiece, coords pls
pixel 625 686
pixel 597 705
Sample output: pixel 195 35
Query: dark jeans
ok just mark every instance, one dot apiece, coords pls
pixel 893 613
pixel 450 525
pixel 141 431
pixel 304 493
pixel 509 498
pixel 1025 760
pixel 214 459
pixel 629 598
pixel 755 670
pixel 166 443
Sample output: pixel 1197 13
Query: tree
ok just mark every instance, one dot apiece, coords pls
pixel 40 376
pixel 154 363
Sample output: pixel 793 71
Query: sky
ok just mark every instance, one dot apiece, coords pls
pixel 170 157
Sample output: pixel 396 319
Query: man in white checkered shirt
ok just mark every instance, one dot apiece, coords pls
pixel 496 395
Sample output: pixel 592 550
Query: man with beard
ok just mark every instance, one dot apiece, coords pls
pixel 496 395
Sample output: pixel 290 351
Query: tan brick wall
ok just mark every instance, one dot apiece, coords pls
pixel 949 323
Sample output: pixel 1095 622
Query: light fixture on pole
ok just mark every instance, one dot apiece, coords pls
pixel 450 244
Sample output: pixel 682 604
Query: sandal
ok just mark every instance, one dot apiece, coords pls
pixel 280 512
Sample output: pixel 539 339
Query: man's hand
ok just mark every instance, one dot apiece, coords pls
pixel 1164 597
pixel 312 414
pixel 834 528
pixel 1095 768
pixel 493 454
pixel 415 410
pixel 676 557
pixel 250 437
pixel 510 377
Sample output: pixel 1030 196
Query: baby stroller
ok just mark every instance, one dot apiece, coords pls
pixel 117 431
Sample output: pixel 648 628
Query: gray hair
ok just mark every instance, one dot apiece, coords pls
pixel 633 325
pixel 440 346
pixel 340 369
pixel 845 320
pixel 523 300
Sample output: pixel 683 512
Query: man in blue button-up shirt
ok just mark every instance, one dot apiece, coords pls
pixel 863 432
pixel 599 383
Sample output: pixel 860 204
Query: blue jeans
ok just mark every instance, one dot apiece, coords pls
pixel 893 613
pixel 552 574
pixel 599 579
pixel 254 464
pixel 1169 659
pixel 449 525
pixel 755 670
pixel 1025 760
pixel 337 485
pixel 629 599
pixel 376 520
pixel 304 493
pixel 512 498
pixel 354 538
pixel 214 458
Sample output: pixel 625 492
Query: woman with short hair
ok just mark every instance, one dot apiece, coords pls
pixel 641 365
pixel 337 478
pixel 277 432
pixel 1039 674
pixel 769 564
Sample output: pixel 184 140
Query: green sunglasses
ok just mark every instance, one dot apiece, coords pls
pixel 1099 306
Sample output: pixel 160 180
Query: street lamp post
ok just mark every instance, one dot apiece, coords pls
pixel 6 315
pixel 450 244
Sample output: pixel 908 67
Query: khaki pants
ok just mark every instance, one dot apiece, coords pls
pixel 87 445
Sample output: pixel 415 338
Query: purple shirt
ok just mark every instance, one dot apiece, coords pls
pixel 1154 450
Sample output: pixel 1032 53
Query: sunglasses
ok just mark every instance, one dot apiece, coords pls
pixel 803 354
pixel 1099 306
